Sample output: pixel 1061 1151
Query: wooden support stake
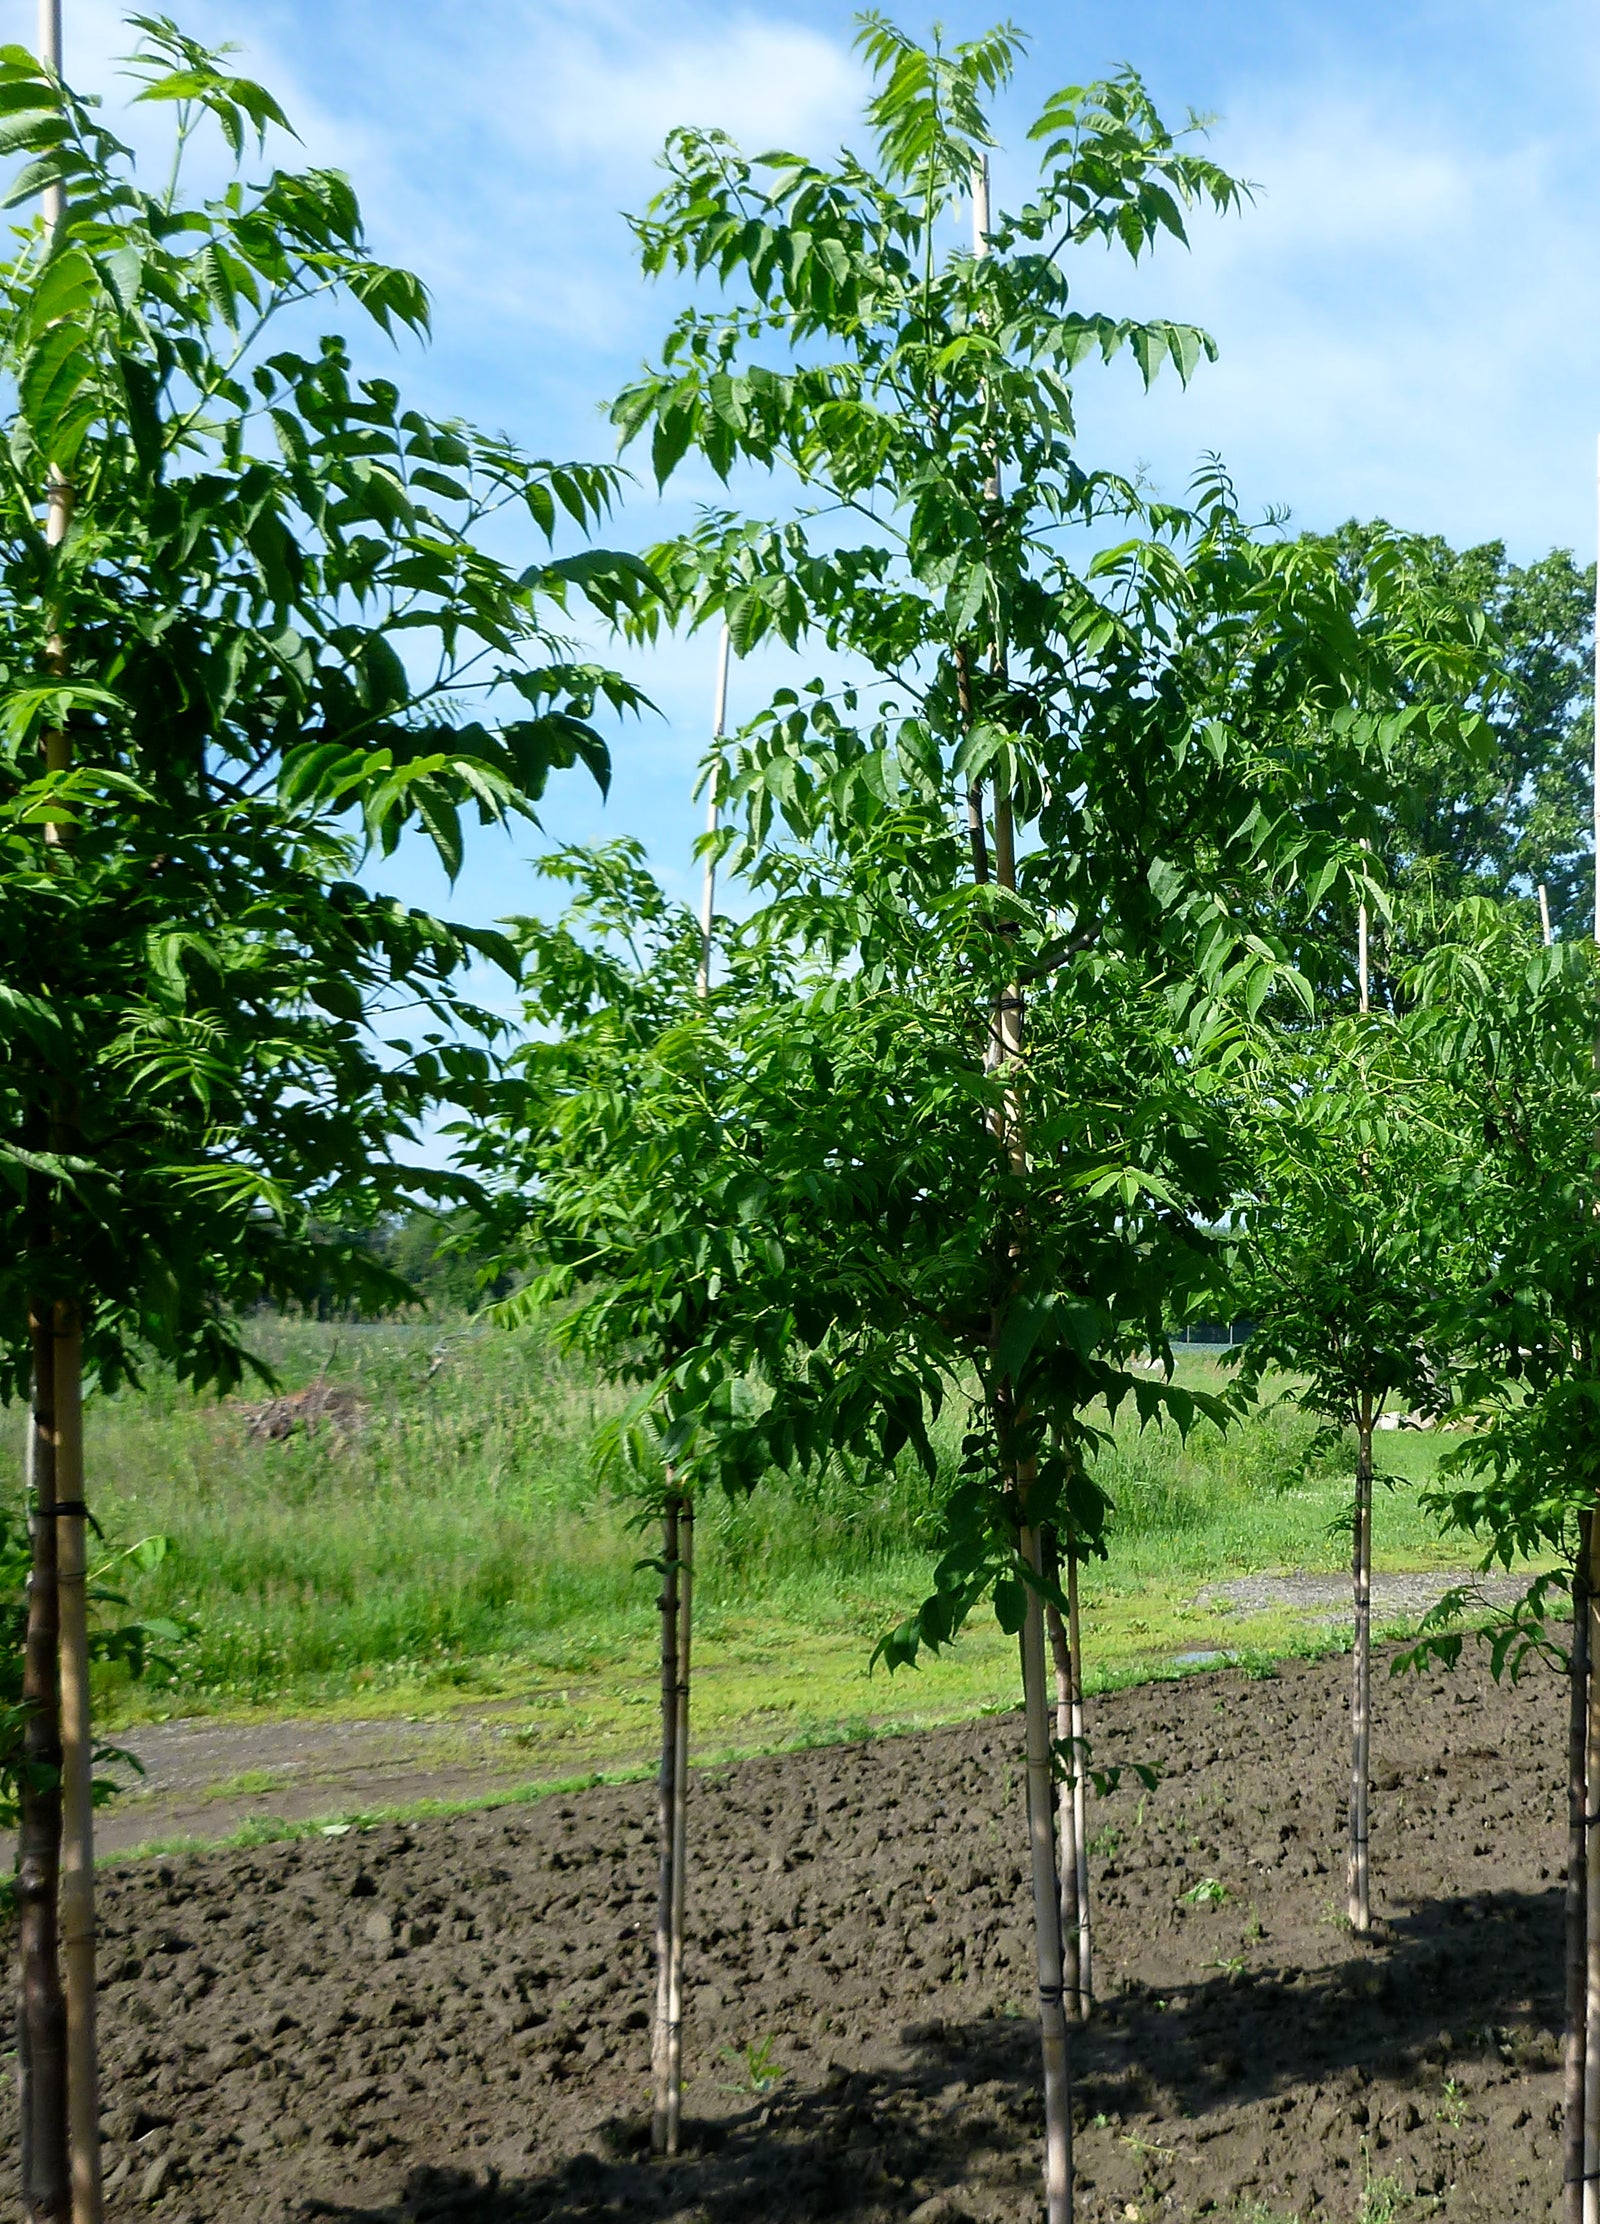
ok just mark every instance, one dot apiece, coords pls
pixel 680 1818
pixel 1046 1907
pixel 1577 1884
pixel 1357 1875
pixel 665 1815
pixel 42 2008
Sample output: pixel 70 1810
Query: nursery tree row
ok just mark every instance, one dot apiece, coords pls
pixel 1043 1023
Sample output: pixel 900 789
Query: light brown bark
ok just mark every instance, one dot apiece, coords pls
pixel 1080 1794
pixel 665 1812
pixel 680 1819
pixel 1046 1907
pixel 1358 1867
pixel 1591 2063
pixel 77 1776
pixel 1068 1761
pixel 1577 1884
pixel 42 2017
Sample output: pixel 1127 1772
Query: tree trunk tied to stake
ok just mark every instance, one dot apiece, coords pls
pixel 665 1810
pixel 1591 1554
pixel 1591 1893
pixel 676 1603
pixel 1005 1052
pixel 1359 1899
pixel 42 2018
pixel 1577 1884
pixel 57 1324
pixel 1072 1848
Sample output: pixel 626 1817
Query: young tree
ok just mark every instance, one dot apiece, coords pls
pixel 1511 1026
pixel 270 640
pixel 1149 750
pixel 1338 1262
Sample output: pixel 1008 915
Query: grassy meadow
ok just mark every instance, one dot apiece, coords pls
pixel 451 1547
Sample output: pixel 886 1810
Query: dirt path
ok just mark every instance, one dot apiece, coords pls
pixel 203 1779
pixel 449 2019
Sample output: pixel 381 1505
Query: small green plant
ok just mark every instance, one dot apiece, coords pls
pixel 1383 2200
pixel 1452 2106
pixel 1231 1965
pixel 1209 1892
pixel 760 2070
pixel 1255 1930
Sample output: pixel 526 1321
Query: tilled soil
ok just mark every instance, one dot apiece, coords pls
pixel 449 2019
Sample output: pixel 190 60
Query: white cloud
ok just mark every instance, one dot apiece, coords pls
pixel 615 81
pixel 1406 323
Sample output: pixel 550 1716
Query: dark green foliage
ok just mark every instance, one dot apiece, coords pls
pixel 1174 726
pixel 1516 807
pixel 286 642
pixel 133 1646
pixel 1346 1255
pixel 1512 1028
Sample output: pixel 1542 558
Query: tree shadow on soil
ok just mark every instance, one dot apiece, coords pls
pixel 1475 1974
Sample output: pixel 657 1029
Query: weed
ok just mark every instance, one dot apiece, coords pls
pixel 1209 1892
pixel 760 2071
pixel 1231 1965
pixel 1452 2108
pixel 1383 2200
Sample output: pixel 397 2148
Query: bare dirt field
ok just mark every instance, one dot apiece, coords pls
pixel 449 2019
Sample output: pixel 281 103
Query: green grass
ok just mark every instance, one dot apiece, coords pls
pixel 452 1547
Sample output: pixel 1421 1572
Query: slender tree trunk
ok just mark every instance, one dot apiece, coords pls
pixel 680 1818
pixel 42 2021
pixel 1577 1884
pixel 1591 1954
pixel 1360 1903
pixel 1080 1794
pixel 665 1810
pixel 77 1775
pixel 1068 1763
pixel 1046 1907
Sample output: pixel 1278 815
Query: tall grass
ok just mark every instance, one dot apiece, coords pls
pixel 454 1529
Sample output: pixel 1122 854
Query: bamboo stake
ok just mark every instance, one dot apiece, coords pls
pixel 77 1776
pixel 1544 915
pixel 1359 1900
pixel 708 893
pixel 677 1605
pixel 1066 1789
pixel 42 2008
pixel 1577 1884
pixel 680 1814
pixel 1006 1051
pixel 1046 1907
pixel 1591 2049
pixel 61 1324
pixel 665 1812
pixel 1080 1794
pixel 1591 1896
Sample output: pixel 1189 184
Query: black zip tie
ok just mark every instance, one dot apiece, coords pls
pixel 75 1510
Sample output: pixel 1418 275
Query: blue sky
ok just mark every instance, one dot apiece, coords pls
pixel 1406 316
